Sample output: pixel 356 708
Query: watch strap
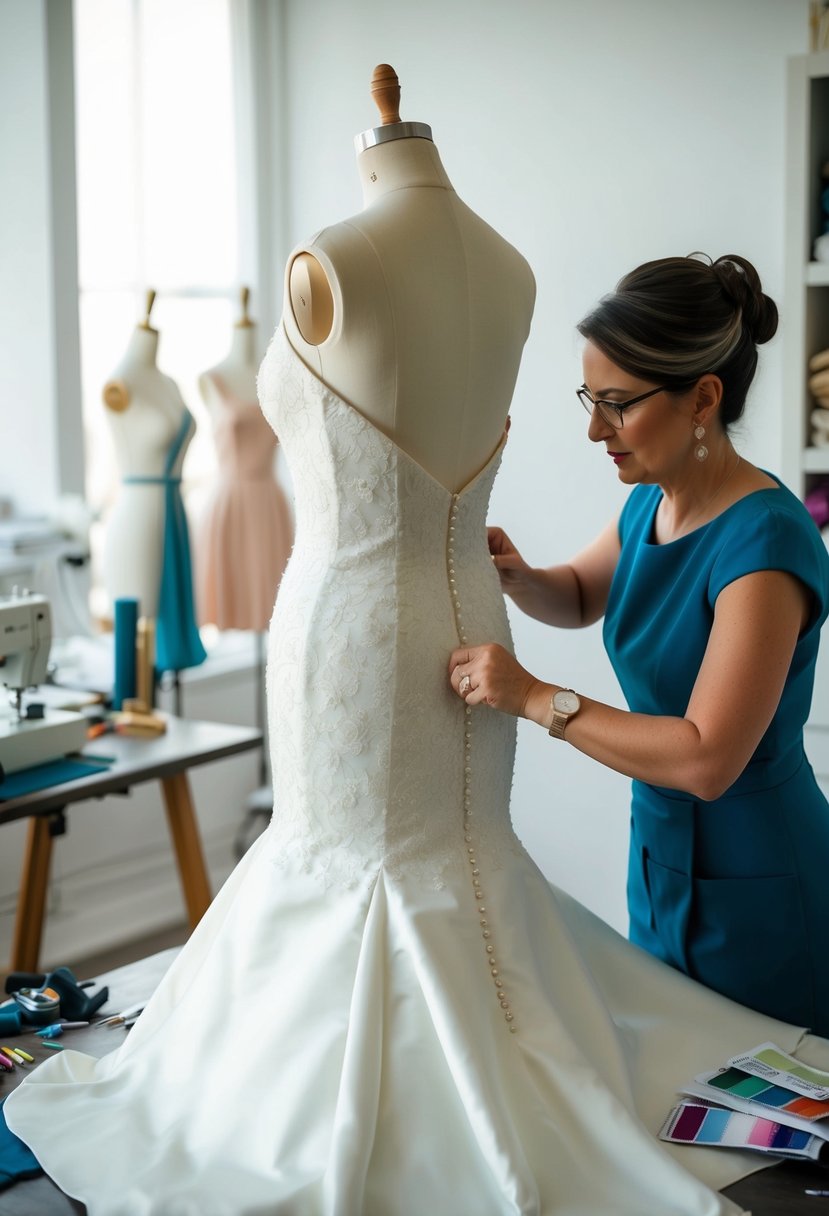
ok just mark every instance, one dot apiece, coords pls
pixel 558 724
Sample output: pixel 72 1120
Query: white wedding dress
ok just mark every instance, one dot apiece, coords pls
pixel 387 1011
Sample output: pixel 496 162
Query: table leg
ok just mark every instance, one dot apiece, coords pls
pixel 184 830
pixel 31 901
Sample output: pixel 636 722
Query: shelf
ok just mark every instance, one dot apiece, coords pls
pixel 806 304
pixel 816 460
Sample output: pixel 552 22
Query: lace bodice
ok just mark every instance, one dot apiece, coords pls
pixel 390 572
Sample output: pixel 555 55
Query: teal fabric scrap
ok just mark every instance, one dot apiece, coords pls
pixel 17 1161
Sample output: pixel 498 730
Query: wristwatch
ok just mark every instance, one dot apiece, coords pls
pixel 565 705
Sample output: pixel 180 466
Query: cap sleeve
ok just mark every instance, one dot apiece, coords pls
pixel 769 537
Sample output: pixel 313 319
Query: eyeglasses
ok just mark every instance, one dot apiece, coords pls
pixel 612 412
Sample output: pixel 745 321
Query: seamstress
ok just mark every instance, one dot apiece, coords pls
pixel 713 583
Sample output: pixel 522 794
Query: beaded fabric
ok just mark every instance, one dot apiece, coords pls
pixel 390 572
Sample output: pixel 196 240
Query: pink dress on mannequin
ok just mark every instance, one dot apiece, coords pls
pixel 244 537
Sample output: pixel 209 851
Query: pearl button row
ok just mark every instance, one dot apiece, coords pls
pixel 486 931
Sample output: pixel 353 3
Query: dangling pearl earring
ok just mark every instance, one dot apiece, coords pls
pixel 700 451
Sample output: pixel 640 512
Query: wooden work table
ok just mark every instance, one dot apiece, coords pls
pixel 165 759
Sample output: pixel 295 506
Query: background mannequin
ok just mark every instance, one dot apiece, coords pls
pixel 244 535
pixel 239 366
pixel 415 310
pixel 147 551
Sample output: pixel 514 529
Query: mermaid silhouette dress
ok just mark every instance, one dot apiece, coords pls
pixel 387 1011
pixel 243 538
pixel 178 644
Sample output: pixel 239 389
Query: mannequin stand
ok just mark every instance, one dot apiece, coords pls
pixel 170 681
pixel 259 806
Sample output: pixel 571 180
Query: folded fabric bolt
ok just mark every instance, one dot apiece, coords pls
pixel 819 361
pixel 42 776
pixel 820 419
pixel 819 382
pixel 817 504
pixel 820 439
pixel 10 1020
pixel 16 1160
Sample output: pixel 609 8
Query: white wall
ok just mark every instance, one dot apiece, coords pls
pixel 593 135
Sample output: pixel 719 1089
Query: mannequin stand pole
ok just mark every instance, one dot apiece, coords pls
pixel 260 802
pixel 170 681
pixel 261 715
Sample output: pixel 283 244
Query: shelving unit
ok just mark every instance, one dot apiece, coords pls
pixel 806 322
pixel 806 312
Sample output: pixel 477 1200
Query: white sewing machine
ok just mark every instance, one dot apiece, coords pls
pixel 25 638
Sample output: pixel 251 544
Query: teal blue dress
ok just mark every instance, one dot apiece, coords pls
pixel 733 892
pixel 177 641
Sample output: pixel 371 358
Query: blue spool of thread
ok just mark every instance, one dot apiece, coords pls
pixel 126 625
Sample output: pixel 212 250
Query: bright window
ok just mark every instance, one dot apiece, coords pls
pixel 157 208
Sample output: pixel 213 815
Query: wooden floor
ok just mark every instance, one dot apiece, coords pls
pixel 130 952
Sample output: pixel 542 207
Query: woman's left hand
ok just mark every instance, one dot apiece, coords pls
pixel 490 675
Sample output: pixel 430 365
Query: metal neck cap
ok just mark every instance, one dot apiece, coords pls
pixel 392 130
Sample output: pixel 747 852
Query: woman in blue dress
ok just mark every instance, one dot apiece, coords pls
pixel 713 583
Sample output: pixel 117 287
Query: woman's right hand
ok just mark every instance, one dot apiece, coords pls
pixel 513 571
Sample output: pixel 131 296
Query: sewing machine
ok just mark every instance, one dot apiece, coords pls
pixel 38 733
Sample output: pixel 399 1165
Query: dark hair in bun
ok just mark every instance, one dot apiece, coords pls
pixel 741 283
pixel 674 319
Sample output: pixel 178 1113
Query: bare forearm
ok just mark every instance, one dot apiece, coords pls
pixel 735 696
pixel 552 596
pixel 659 750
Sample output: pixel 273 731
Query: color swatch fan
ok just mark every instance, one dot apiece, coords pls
pixel 764 1100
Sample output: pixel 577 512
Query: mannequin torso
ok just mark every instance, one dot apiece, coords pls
pixel 415 312
pixel 236 372
pixel 244 533
pixel 147 418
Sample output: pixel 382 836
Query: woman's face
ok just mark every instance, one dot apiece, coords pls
pixel 657 439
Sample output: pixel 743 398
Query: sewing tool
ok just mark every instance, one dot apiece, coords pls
pixel 125 1018
pixel 57 1029
pixel 38 1005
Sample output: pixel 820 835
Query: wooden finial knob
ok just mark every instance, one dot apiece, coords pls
pixel 244 299
pixel 385 89
pixel 148 308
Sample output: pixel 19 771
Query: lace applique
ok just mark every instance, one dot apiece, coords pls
pixel 365 732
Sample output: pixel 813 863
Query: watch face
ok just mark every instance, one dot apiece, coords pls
pixel 566 701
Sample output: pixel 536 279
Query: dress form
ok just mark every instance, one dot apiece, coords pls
pixel 147 552
pixel 145 411
pixel 238 368
pixel 244 534
pixel 414 300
